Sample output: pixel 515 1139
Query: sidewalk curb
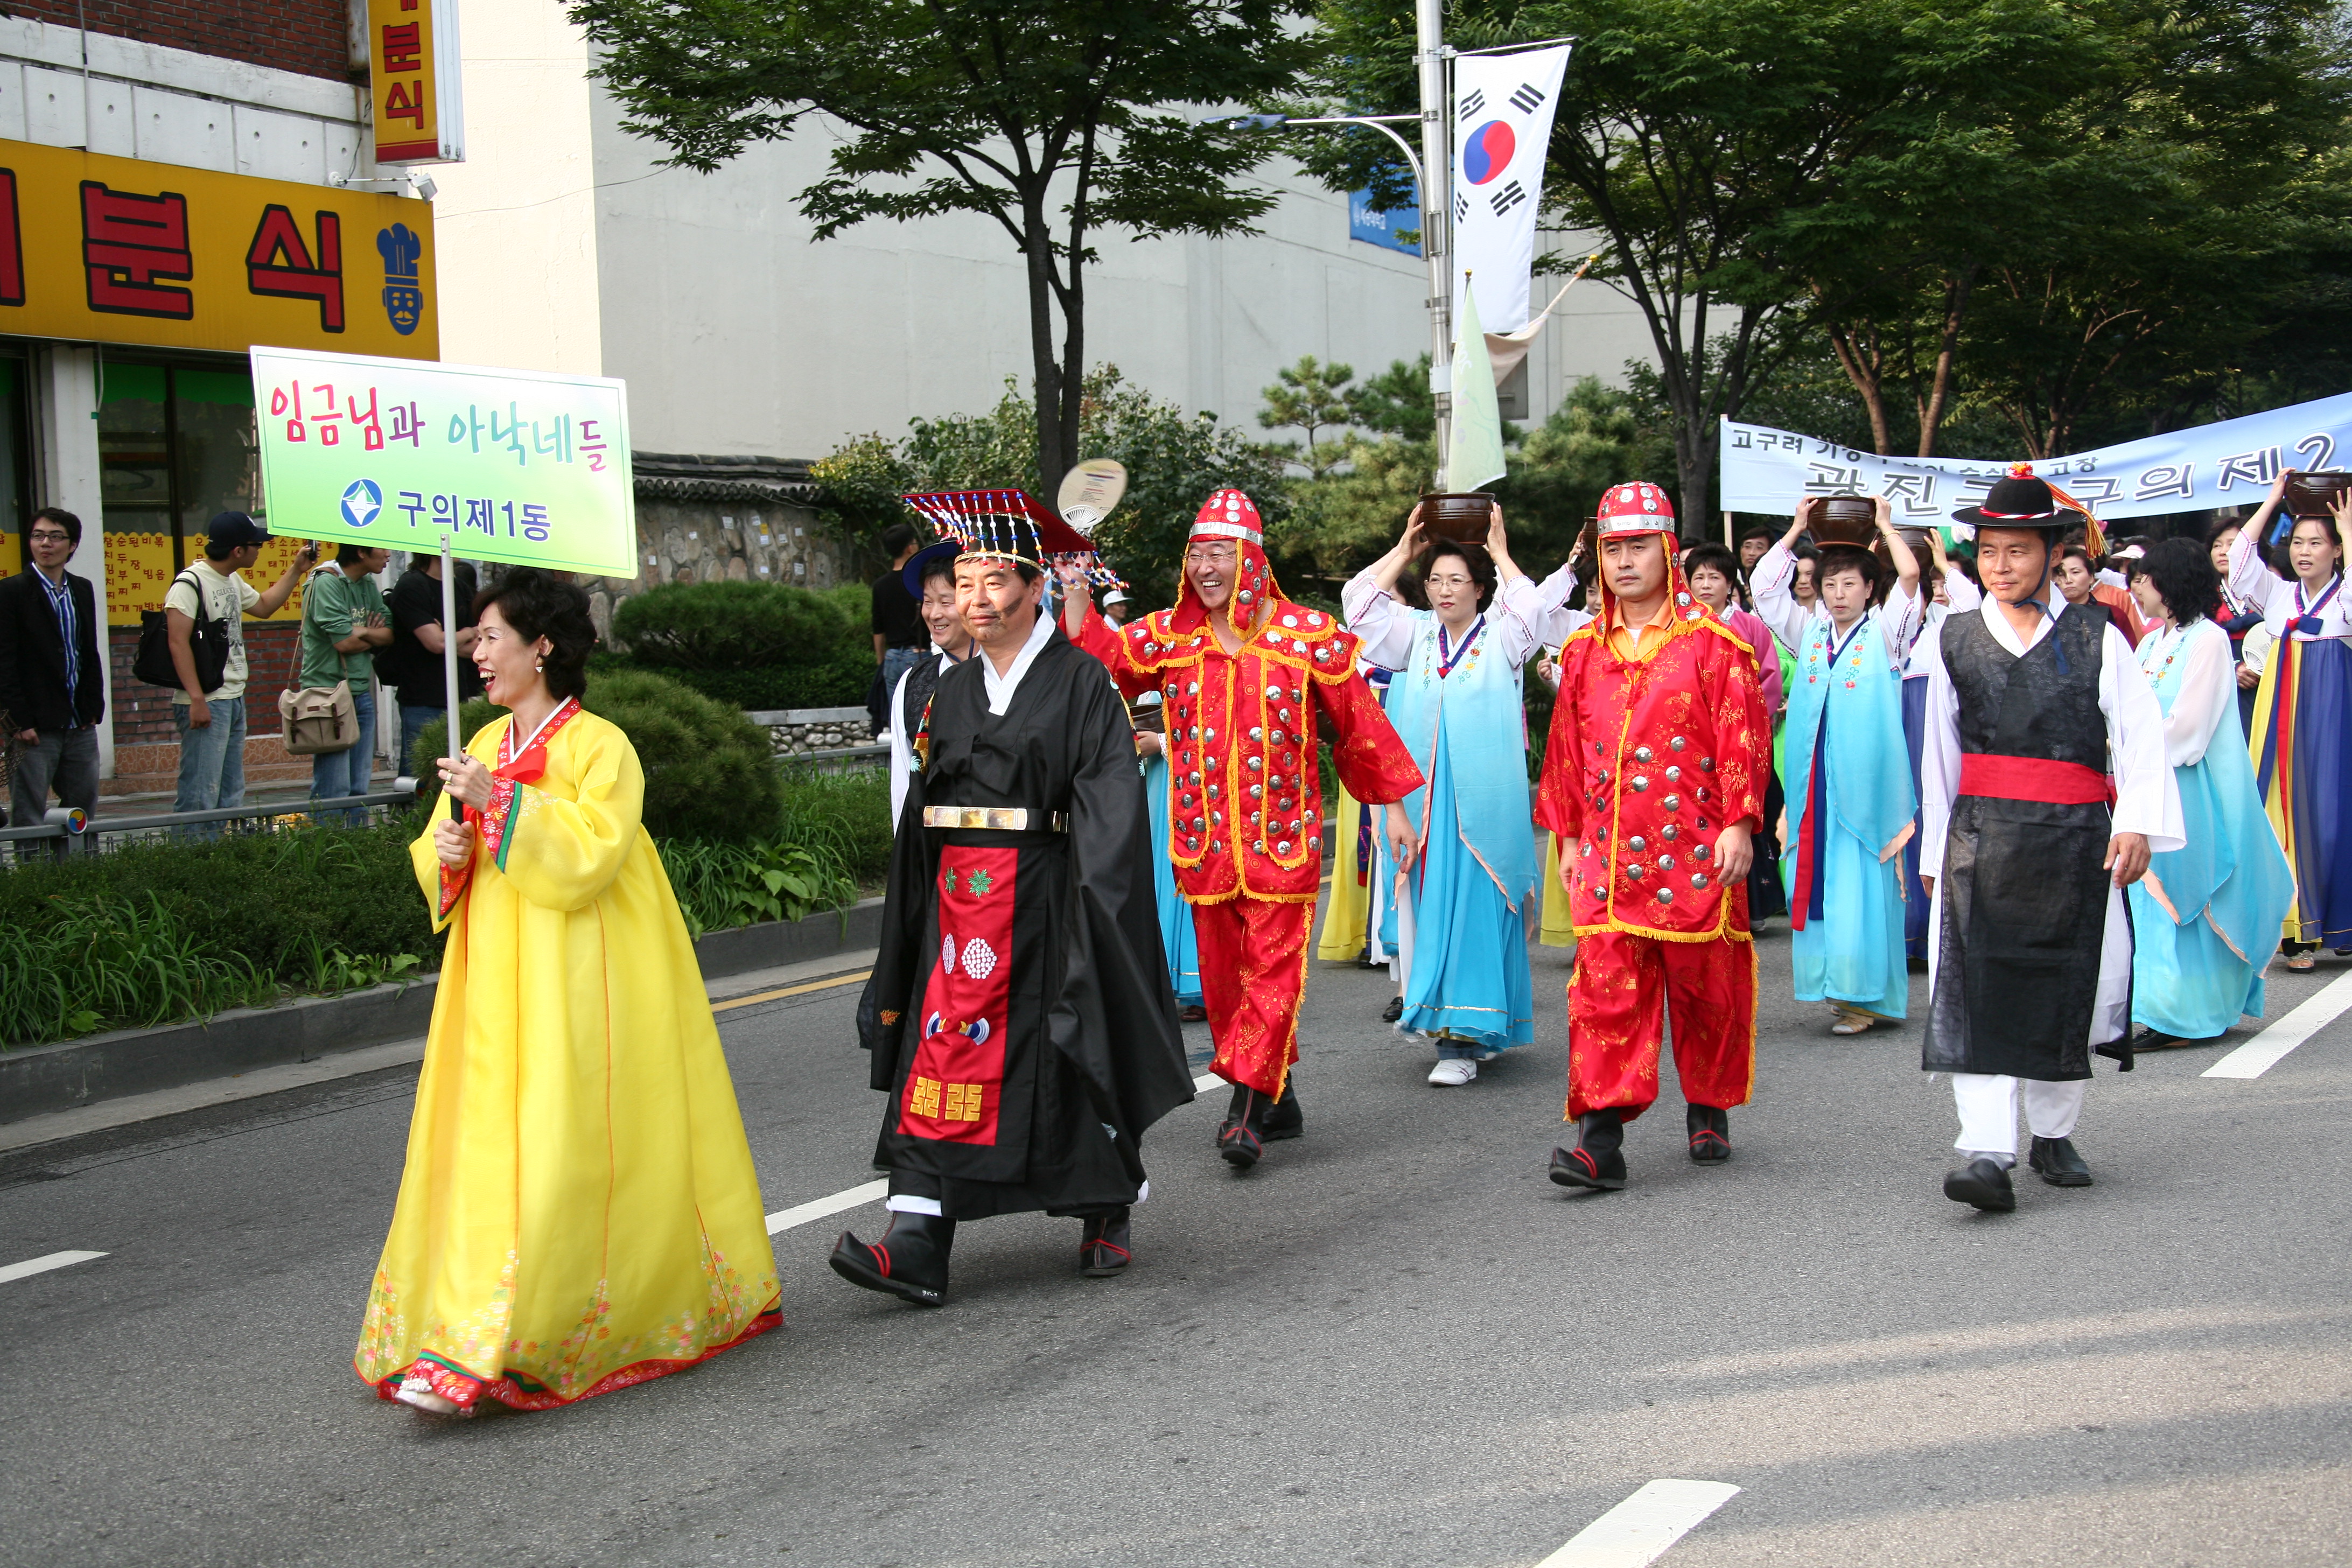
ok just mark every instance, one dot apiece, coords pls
pixel 39 1079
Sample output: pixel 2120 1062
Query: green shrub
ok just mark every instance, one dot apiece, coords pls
pixel 709 772
pixel 116 962
pixel 846 813
pixel 839 682
pixel 722 886
pixel 730 626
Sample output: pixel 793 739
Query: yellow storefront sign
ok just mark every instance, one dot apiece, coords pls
pixel 94 248
pixel 412 59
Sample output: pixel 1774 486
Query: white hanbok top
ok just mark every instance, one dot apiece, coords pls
pixel 1774 580
pixel 1524 618
pixel 2283 603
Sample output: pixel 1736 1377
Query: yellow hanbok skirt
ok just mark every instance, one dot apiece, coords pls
pixel 579 1210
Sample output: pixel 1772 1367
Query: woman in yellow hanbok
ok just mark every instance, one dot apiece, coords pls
pixel 579 1210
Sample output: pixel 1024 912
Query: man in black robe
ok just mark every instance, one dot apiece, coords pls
pixel 2044 786
pixel 1023 1023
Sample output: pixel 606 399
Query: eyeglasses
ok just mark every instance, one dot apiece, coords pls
pixel 1207 554
pixel 52 538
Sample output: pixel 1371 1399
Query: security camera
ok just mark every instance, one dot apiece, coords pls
pixel 424 188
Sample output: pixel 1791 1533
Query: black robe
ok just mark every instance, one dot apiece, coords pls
pixel 2023 891
pixel 1023 1023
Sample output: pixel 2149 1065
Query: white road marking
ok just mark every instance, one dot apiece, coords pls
pixel 803 1214
pixel 2262 1053
pixel 779 1222
pixel 1639 1530
pixel 43 1265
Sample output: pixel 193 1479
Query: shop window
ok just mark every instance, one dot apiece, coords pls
pixel 175 445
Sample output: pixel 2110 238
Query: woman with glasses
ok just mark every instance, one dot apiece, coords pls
pixel 1456 700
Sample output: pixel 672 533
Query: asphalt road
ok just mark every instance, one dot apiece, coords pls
pixel 1395 1343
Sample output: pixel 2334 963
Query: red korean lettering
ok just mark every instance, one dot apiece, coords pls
pixel 11 243
pixel 405 100
pixel 280 264
pixel 128 242
pixel 404 48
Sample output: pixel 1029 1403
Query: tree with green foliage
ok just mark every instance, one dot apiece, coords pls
pixel 1055 119
pixel 1174 461
pixel 1311 397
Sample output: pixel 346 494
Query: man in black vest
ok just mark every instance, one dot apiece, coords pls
pixel 2029 844
pixel 52 679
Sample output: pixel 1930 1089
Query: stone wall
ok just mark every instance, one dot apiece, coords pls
pixel 796 732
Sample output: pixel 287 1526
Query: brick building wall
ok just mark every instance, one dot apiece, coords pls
pixel 311 38
pixel 147 742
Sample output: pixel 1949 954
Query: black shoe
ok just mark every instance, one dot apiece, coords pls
pixel 909 1261
pixel 1103 1249
pixel 1283 1119
pixel 1394 1010
pixel 1242 1139
pixel 1710 1134
pixel 1983 1183
pixel 1598 1161
pixel 2060 1165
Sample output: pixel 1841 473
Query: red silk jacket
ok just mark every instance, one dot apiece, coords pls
pixel 1649 759
pixel 1245 796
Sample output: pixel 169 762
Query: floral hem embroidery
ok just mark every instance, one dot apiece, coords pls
pixel 520 1391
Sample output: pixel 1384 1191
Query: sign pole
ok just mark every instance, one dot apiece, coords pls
pixel 450 662
pixel 1436 216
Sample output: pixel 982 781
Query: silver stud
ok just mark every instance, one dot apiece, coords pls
pixel 1273 693
pixel 1670 832
pixel 1671 803
pixel 1699 878
pixel 1314 841
pixel 1216 846
pixel 1257 792
pixel 1677 743
pixel 1588 848
pixel 1216 819
pixel 1642 753
pixel 1637 872
pixel 1257 732
pixel 1701 853
pixel 1702 792
pixel 1210 737
pixel 1213 792
pixel 1673 773
pixel 1256 764
pixel 1637 844
pixel 1665 895
pixel 1642 781
pixel 1707 764
pixel 1666 862
pixel 1282 846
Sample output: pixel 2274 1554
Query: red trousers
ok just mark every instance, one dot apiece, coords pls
pixel 1253 975
pixel 1618 1002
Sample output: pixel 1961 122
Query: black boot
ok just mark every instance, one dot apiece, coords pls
pixel 1394 1010
pixel 1710 1134
pixel 1103 1246
pixel 909 1261
pixel 1984 1184
pixel 1242 1138
pixel 2060 1165
pixel 1598 1161
pixel 1283 1119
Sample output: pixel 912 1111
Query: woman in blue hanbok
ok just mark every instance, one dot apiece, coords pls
pixel 1175 914
pixel 2206 917
pixel 1851 799
pixel 1455 701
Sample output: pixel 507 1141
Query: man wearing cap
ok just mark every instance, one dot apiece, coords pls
pixel 1021 1019
pixel 1654 779
pixel 2027 844
pixel 211 723
pixel 1249 681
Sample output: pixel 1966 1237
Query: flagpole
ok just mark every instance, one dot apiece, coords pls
pixel 1436 216
pixel 449 664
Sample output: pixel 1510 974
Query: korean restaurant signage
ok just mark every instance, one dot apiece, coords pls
pixel 102 249
pixel 520 467
pixel 414 72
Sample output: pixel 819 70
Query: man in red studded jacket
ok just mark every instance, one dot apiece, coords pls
pixel 1653 778
pixel 1251 680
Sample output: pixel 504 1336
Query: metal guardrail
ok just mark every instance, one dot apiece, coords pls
pixel 271 817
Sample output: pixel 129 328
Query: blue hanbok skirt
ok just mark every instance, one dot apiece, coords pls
pixel 1175 914
pixel 1470 978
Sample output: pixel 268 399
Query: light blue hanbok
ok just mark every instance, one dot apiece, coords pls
pixel 1175 914
pixel 1851 798
pixel 2206 917
pixel 1457 706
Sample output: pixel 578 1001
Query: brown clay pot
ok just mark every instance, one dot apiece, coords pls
pixel 2314 494
pixel 1463 518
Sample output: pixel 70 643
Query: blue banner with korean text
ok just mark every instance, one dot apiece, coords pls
pixel 1386 230
pixel 2229 463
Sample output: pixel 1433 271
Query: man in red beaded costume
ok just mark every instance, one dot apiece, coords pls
pixel 1654 779
pixel 1249 681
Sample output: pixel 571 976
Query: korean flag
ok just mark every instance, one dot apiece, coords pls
pixel 1502 123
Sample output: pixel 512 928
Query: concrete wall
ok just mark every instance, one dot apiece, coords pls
pixel 739 336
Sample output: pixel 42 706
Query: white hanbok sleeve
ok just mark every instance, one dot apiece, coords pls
pixel 902 749
pixel 1776 606
pixel 2208 688
pixel 2252 579
pixel 1899 622
pixel 1960 593
pixel 1529 616
pixel 1939 759
pixel 1383 623
pixel 2147 799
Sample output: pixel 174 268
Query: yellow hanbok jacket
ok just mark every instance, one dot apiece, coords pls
pixel 579 1210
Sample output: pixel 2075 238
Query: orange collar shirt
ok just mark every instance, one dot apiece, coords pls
pixel 1659 741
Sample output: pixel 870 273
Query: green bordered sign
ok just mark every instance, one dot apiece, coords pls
pixel 514 465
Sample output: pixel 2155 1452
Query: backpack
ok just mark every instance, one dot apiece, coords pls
pixel 208 644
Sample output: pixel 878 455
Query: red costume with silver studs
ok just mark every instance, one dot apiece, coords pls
pixel 1651 758
pixel 1245 797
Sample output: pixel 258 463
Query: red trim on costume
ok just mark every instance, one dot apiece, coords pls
pixel 522 1392
pixel 1997 777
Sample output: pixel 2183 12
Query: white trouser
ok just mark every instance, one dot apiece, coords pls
pixel 1988 1106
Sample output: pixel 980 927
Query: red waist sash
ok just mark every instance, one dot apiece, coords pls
pixel 2034 778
